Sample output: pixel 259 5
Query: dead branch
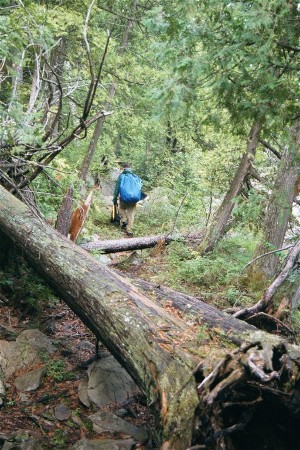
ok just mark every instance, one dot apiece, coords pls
pixel 262 304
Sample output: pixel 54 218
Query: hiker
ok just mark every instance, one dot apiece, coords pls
pixel 128 189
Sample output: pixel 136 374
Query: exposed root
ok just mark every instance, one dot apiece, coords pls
pixel 251 400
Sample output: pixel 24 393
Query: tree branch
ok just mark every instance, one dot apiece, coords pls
pixel 262 304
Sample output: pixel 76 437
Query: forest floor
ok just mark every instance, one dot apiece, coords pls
pixel 67 368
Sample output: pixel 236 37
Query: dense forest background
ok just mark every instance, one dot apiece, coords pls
pixel 202 99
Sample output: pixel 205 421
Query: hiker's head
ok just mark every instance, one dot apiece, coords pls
pixel 125 166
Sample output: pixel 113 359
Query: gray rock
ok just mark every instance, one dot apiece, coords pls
pixel 109 382
pixel 21 442
pixel 86 345
pixel 122 412
pixel 104 422
pixel 30 381
pixel 62 412
pixel 104 259
pixel 106 444
pixel 24 352
pixel 83 393
pixel 132 260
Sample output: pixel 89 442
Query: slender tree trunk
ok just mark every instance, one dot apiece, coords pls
pixel 64 214
pixel 35 84
pixel 54 71
pixel 220 219
pixel 96 135
pixel 279 208
pixel 100 123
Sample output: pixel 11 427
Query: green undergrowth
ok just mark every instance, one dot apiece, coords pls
pixel 26 291
pixel 217 276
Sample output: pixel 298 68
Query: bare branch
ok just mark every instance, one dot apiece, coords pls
pixel 53 152
pixel 87 45
pixel 269 147
pixel 262 304
pixel 94 83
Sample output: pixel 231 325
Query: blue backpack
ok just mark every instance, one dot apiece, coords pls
pixel 130 188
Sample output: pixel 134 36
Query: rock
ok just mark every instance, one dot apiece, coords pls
pixel 86 346
pixel 122 412
pixel 83 393
pixel 23 397
pixel 104 259
pixel 109 382
pixel 30 381
pixel 30 444
pixel 105 444
pixel 24 352
pixel 62 412
pixel 132 260
pixel 104 422
pixel 21 440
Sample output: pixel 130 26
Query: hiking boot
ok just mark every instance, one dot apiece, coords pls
pixel 124 225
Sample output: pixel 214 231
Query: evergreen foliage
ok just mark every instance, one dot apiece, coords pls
pixel 193 78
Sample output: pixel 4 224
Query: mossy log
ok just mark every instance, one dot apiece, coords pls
pixel 163 352
pixel 196 311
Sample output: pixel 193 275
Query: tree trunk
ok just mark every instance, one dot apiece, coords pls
pixel 129 244
pixel 279 209
pixel 205 315
pixel 219 222
pixel 64 214
pixel 162 352
pixel 97 133
pixel 126 244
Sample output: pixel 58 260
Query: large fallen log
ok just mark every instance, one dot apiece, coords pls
pixel 196 311
pixel 166 355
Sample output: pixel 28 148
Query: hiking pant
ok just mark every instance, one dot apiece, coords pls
pixel 127 212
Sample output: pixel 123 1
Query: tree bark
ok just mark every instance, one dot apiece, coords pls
pixel 126 244
pixel 96 135
pixel 64 214
pixel 279 208
pixel 129 244
pixel 220 219
pixel 162 352
pixel 197 310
